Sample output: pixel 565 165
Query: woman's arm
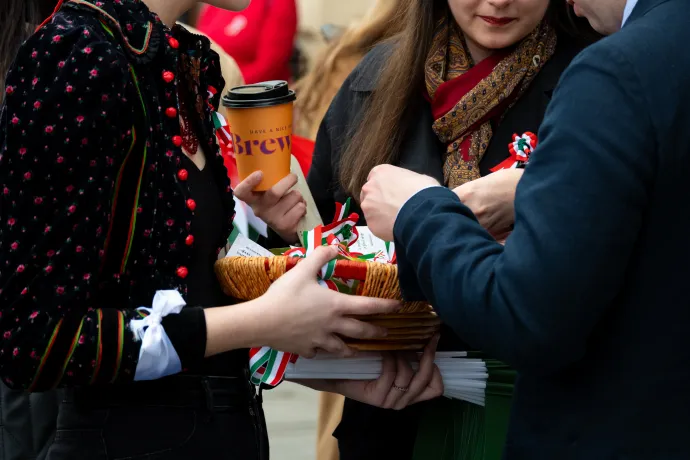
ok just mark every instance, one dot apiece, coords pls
pixel 63 134
pixel 64 139
pixel 296 315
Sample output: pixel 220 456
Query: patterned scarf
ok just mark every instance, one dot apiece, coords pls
pixel 477 94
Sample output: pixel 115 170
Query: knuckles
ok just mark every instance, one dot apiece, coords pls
pixel 308 354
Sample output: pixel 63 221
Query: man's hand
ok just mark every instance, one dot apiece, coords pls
pixel 387 189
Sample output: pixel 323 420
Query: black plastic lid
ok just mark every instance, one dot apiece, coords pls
pixel 265 94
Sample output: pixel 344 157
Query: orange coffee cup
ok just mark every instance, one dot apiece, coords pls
pixel 260 121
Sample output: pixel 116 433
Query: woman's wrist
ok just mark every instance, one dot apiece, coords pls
pixel 234 327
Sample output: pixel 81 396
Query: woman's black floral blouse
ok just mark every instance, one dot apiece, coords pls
pixel 95 211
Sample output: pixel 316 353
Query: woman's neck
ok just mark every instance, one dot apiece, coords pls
pixel 478 53
pixel 169 10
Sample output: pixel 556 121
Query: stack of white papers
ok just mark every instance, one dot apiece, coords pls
pixel 463 378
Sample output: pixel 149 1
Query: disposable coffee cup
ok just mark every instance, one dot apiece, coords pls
pixel 260 121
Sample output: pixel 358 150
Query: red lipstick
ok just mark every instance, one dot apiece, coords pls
pixel 494 21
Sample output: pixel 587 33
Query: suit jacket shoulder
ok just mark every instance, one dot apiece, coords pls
pixel 650 65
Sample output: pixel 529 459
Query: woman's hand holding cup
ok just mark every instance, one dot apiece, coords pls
pixel 281 208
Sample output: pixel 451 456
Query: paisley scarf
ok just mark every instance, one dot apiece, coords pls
pixel 466 98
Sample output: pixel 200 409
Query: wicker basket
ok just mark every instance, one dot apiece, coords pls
pixel 247 278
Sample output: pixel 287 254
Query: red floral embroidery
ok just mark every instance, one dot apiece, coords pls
pixel 62 147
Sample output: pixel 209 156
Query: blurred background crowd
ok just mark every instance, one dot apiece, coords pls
pixel 310 43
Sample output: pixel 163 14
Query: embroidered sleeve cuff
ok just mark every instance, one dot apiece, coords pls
pixel 187 332
pixel 158 356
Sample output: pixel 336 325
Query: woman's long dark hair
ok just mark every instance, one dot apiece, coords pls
pixel 18 18
pixel 376 139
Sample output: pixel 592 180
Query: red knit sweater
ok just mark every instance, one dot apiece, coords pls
pixel 260 38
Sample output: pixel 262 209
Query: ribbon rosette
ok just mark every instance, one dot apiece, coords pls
pixel 520 150
pixel 268 366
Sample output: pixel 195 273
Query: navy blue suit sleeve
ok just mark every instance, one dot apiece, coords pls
pixel 579 210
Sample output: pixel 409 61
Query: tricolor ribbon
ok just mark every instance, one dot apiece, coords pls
pixel 212 91
pixel 520 150
pixel 227 150
pixel 222 131
pixel 219 123
pixel 268 366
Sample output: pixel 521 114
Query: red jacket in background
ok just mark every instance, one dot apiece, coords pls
pixel 260 38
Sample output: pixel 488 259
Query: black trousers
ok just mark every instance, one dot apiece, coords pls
pixel 180 417
pixel 27 423
pixel 371 433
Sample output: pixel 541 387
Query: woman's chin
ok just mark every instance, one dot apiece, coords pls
pixel 497 42
pixel 495 39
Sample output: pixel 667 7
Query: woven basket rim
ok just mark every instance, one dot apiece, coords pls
pixel 381 282
pixel 351 269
